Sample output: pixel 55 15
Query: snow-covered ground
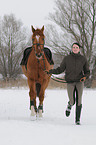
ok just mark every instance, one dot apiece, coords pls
pixel 16 128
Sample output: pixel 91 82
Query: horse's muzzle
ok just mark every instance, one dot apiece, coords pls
pixel 39 55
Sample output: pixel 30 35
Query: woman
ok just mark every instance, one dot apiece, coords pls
pixel 76 71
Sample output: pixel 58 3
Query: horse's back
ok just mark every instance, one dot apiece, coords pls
pixel 48 55
pixel 26 54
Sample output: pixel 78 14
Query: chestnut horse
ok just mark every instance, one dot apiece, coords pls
pixel 37 66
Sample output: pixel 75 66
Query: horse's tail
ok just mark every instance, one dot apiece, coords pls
pixel 38 87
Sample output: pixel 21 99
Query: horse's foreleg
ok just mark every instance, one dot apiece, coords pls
pixel 41 96
pixel 41 99
pixel 32 94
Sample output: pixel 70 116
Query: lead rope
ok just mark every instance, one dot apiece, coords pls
pixel 58 79
pixel 52 76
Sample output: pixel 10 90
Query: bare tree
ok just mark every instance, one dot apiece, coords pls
pixel 12 41
pixel 76 21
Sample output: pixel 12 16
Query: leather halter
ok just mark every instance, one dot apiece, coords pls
pixel 38 44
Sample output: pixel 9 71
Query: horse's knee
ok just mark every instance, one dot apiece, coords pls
pixel 41 98
pixel 32 94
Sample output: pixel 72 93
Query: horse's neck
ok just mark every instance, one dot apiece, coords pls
pixel 33 57
pixel 33 53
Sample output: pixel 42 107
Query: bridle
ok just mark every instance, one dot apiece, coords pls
pixel 38 45
pixel 41 54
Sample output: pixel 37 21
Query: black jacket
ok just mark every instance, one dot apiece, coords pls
pixel 75 67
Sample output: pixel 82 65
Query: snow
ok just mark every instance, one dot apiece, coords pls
pixel 55 128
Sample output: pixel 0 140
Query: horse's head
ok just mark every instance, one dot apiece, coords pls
pixel 38 42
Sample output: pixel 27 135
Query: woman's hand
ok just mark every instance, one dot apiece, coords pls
pixel 83 79
pixel 48 72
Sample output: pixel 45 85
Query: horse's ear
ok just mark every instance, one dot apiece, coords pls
pixel 33 30
pixel 42 28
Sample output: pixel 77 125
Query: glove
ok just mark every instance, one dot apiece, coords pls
pixel 46 72
pixel 83 79
pixel 50 71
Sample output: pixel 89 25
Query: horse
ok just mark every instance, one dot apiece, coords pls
pixel 37 66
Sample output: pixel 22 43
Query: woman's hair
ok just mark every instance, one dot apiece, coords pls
pixel 77 44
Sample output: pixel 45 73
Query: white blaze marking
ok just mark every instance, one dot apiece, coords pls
pixel 37 37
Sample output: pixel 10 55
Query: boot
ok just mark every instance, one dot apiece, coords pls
pixel 68 110
pixel 78 114
pixel 40 110
pixel 40 107
pixel 32 104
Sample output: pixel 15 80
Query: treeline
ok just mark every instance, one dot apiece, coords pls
pixel 13 40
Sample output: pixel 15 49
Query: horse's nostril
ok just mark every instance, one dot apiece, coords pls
pixel 38 44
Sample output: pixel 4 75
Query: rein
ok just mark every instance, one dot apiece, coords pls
pixel 43 63
pixel 58 79
pixel 61 80
pixel 44 69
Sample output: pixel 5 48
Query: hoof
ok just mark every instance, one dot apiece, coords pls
pixel 33 113
pixel 33 118
pixel 40 113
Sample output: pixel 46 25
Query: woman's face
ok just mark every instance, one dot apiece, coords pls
pixel 75 49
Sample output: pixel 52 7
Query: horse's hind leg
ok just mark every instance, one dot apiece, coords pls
pixel 32 94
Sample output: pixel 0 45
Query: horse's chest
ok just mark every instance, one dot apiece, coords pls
pixel 36 70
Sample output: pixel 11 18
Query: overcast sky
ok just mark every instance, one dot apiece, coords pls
pixel 31 12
